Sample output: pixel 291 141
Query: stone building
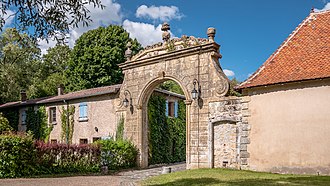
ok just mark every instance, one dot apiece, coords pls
pixel 95 114
pixel 289 100
pixel 280 124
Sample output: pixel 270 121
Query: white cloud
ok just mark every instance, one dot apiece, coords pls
pixel 111 14
pixel 8 17
pixel 43 45
pixel 326 7
pixel 145 33
pixel 162 13
pixel 228 73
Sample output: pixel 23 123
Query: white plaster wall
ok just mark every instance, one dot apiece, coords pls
pixel 290 128
pixel 101 114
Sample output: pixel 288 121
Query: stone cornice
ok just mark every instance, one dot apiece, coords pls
pixel 208 47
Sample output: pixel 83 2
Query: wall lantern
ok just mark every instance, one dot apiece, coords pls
pixel 126 102
pixel 194 92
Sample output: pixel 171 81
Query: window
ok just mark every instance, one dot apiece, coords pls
pixel 52 115
pixel 52 141
pixel 83 112
pixel 171 108
pixel 96 139
pixel 83 141
pixel 24 117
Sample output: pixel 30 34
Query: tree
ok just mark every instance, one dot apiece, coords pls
pixel 51 72
pixel 232 84
pixel 19 61
pixel 47 18
pixel 171 86
pixel 95 57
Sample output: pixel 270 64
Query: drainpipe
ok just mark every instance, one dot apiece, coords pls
pixel 67 121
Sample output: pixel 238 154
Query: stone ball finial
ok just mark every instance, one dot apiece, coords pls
pixel 211 34
pixel 165 27
pixel 166 34
pixel 128 52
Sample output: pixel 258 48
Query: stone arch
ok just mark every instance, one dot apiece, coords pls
pixel 184 60
pixel 151 85
pixel 143 99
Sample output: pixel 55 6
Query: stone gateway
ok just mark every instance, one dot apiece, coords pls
pixel 193 64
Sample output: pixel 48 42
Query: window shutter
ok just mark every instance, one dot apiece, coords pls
pixel 166 104
pixel 83 110
pixel 176 109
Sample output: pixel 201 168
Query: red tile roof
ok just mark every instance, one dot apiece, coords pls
pixel 304 55
pixel 70 96
pixel 84 94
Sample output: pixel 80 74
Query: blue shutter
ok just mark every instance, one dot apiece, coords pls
pixel 166 104
pixel 83 110
pixel 176 109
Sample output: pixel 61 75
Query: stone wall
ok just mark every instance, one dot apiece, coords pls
pixel 229 132
pixel 198 63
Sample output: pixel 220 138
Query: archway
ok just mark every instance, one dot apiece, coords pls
pixel 193 64
pixel 144 99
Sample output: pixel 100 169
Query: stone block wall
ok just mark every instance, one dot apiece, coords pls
pixel 229 132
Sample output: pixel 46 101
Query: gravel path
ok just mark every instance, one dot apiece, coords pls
pixel 125 178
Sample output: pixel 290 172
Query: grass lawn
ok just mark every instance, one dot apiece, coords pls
pixel 233 177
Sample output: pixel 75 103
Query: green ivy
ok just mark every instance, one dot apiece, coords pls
pixel 167 136
pixel 67 128
pixel 120 128
pixel 36 122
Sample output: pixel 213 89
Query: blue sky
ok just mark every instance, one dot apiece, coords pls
pixel 249 31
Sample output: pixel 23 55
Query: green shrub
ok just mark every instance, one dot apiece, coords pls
pixel 17 156
pixel 4 124
pixel 118 154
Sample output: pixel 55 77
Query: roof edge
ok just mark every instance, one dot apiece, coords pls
pixel 271 84
pixel 272 56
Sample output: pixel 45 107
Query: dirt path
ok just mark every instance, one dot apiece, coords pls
pixel 127 178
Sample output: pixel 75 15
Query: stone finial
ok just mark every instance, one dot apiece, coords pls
pixel 128 52
pixel 166 34
pixel 211 34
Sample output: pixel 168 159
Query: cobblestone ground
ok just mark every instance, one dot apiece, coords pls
pixel 125 178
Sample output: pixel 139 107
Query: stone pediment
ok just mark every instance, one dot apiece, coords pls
pixel 171 45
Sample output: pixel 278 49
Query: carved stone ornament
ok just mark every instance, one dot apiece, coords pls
pixel 166 34
pixel 128 52
pixel 211 34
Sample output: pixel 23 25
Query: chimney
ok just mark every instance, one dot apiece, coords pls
pixel 23 95
pixel 60 89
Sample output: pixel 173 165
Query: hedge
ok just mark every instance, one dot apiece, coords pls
pixel 17 156
pixel 63 158
pixel 20 156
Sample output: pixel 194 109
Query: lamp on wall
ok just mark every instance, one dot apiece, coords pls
pixel 126 102
pixel 194 92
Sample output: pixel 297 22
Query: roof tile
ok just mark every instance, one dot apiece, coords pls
pixel 304 55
